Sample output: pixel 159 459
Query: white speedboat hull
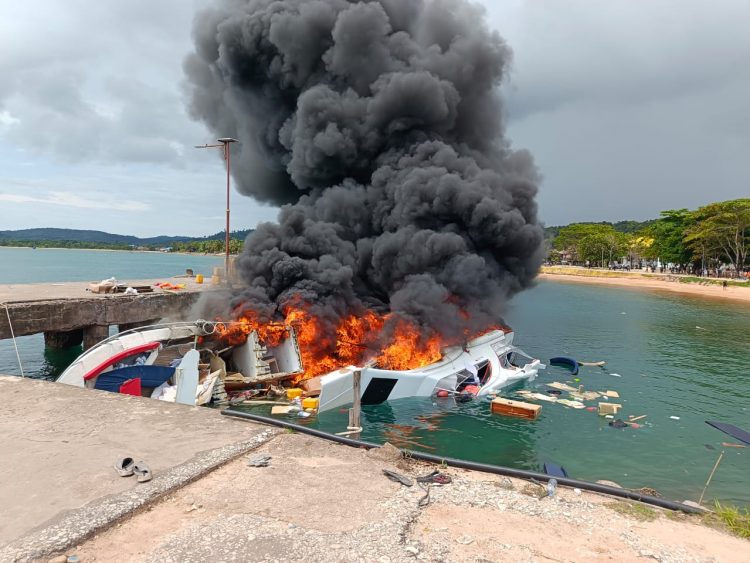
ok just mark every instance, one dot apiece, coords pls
pixel 378 385
pixel 104 355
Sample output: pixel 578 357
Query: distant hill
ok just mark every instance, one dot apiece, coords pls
pixel 100 237
pixel 242 235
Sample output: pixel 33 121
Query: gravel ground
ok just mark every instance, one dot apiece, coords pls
pixel 322 502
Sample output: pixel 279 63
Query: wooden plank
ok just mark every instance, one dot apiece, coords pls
pixel 732 445
pixel 561 386
pixel 517 409
pixel 355 411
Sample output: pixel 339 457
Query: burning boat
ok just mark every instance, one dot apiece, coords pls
pixel 183 362
pixel 484 366
pixel 195 363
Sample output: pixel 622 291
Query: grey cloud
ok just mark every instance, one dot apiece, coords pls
pixel 621 53
pixel 100 83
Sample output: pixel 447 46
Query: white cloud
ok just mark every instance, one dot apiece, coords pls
pixel 67 199
pixel 6 119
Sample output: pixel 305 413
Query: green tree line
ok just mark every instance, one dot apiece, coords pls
pixel 710 238
pixel 209 246
pixel 205 246
pixel 64 244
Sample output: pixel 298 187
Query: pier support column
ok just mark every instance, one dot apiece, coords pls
pixel 62 340
pixel 94 334
pixel 129 326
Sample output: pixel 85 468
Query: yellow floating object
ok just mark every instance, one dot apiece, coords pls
pixel 310 403
pixel 293 393
pixel 199 278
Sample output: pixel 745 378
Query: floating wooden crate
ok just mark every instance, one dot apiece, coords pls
pixel 609 408
pixel 518 409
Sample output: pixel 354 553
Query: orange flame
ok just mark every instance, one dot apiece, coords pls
pixel 357 339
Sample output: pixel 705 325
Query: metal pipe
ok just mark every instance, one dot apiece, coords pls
pixel 474 466
pixel 227 157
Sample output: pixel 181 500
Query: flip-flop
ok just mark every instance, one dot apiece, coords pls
pixel 436 478
pixel 124 466
pixel 442 479
pixel 427 478
pixel 393 476
pixel 142 472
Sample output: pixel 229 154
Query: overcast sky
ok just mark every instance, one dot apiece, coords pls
pixel 629 107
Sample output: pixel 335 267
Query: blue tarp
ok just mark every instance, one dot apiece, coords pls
pixel 150 376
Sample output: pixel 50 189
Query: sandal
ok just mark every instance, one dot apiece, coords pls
pixel 142 472
pixel 442 479
pixel 124 466
pixel 436 478
pixel 393 476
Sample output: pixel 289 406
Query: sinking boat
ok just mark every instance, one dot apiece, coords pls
pixel 185 362
pixel 485 365
pixel 182 362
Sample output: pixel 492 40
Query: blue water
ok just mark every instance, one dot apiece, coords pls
pixel 27 265
pixel 675 356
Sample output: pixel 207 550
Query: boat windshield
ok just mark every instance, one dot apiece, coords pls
pixel 514 358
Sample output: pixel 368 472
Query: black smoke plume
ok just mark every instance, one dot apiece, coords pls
pixel 378 126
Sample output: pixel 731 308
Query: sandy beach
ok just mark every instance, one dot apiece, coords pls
pixel 649 282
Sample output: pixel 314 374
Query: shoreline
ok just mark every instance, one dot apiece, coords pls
pixel 645 282
pixel 219 255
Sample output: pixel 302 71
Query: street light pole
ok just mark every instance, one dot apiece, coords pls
pixel 224 143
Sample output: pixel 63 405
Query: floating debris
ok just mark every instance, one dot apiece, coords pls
pixel 571 404
pixel 565 362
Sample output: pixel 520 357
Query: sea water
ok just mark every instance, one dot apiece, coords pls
pixel 679 360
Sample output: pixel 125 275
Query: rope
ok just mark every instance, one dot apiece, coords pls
pixel 13 336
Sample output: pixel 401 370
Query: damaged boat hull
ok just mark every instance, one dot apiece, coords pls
pixel 491 351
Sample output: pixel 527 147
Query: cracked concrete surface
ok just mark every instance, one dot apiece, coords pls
pixel 59 446
pixel 318 501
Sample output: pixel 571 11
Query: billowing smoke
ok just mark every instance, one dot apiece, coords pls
pixel 378 125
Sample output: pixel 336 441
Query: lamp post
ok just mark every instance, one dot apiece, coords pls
pixel 224 143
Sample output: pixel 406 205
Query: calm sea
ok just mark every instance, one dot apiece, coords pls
pixel 27 265
pixel 667 356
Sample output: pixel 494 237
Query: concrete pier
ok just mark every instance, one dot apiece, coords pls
pixel 59 447
pixel 68 314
